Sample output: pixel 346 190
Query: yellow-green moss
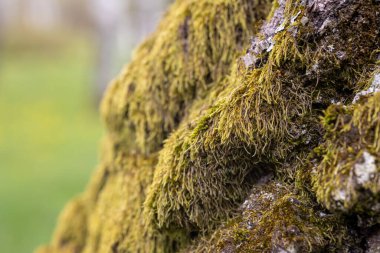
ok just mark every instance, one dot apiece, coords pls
pixel 207 166
pixel 120 227
pixel 225 123
pixel 192 50
pixel 347 178
pixel 276 219
pixel 70 235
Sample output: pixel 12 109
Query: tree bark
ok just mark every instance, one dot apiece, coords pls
pixel 209 149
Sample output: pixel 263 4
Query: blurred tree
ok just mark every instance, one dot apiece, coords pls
pixel 6 14
pixel 41 14
pixel 142 17
pixel 107 18
pixel 8 9
pixel 77 14
pixel 120 26
pixel 2 22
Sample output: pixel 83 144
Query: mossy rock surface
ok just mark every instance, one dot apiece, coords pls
pixel 276 219
pixel 347 179
pixel 240 126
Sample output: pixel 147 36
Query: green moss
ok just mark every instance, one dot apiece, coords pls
pixel 192 51
pixel 347 179
pixel 226 124
pixel 70 235
pixel 207 167
pixel 205 170
pixel 276 219
pixel 120 228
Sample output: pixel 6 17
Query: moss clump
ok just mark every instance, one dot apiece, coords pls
pixel 261 118
pixel 192 50
pixel 276 219
pixel 121 228
pixel 70 234
pixel 93 226
pixel 347 179
pixel 207 166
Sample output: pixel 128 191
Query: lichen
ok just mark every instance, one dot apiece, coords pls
pixel 373 88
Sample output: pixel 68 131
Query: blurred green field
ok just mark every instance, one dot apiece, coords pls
pixel 49 134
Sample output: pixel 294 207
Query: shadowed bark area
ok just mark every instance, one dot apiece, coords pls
pixel 240 126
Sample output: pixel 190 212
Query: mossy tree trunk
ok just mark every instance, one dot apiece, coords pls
pixel 240 126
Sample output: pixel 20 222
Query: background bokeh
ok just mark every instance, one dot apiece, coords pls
pixel 56 58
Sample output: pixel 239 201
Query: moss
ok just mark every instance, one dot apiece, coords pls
pixel 192 50
pixel 70 235
pixel 206 168
pixel 193 125
pixel 276 219
pixel 120 228
pixel 347 179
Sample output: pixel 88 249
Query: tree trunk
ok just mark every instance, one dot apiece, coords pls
pixel 209 149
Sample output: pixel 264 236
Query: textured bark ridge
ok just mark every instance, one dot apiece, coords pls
pixel 211 148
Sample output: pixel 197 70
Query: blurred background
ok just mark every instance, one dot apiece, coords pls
pixel 56 59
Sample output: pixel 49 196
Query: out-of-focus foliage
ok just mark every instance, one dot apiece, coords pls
pixel 48 134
